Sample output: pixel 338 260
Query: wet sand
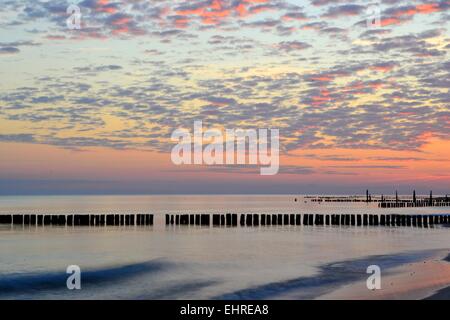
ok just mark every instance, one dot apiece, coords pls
pixel 427 279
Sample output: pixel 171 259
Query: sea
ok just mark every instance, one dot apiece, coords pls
pixel 197 262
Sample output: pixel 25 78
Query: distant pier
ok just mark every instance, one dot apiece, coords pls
pixel 388 201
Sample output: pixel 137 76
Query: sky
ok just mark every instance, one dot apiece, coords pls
pixel 92 110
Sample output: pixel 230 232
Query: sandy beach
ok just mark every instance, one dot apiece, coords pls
pixel 427 279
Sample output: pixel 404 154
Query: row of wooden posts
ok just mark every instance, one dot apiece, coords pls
pixel 391 202
pixel 78 219
pixel 308 219
pixel 410 204
pixel 228 219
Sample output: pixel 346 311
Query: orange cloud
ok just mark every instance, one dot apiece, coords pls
pixel 215 12
pixel 390 21
pixel 419 9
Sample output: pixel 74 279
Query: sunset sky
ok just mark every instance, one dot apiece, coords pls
pixel 92 110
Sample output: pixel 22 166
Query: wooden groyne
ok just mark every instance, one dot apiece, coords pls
pixel 188 219
pixel 253 220
pixel 383 201
pixel 411 204
pixel 229 220
pixel 78 219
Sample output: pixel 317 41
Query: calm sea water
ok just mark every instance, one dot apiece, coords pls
pixel 160 262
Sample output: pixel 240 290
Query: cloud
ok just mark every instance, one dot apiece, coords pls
pixel 344 10
pixel 8 50
pixel 324 83
pixel 290 46
pixel 22 137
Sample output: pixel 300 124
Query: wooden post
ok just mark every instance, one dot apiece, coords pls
pixel 234 219
pixel 403 220
pixel 204 220
pixel 138 219
pixel 316 219
pixel 216 220
pixel 256 219
pixel 249 220
pixel 347 219
pixel 3 219
pixel 110 220
pixel 398 220
pixel 279 219
pixel 365 220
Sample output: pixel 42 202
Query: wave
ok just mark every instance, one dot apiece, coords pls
pixel 26 283
pixel 329 277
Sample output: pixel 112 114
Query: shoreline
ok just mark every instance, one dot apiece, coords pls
pixel 444 293
pixel 423 279
pixel 338 280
